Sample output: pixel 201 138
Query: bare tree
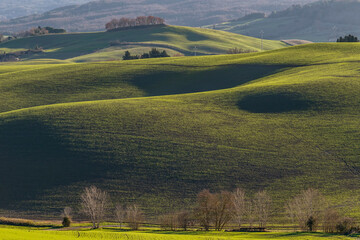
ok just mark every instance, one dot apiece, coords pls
pixel 262 207
pixel 204 209
pixel 134 217
pixel 66 212
pixel 222 209
pixel 331 220
pixel 214 208
pixel 308 205
pixel 66 215
pixel 184 219
pixel 250 212
pixel 239 204
pixel 169 222
pixel 120 214
pixel 94 202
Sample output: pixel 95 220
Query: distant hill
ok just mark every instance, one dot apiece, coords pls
pixel 320 21
pixel 93 16
pixel 103 45
pixel 10 9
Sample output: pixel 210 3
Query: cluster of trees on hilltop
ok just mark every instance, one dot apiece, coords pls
pixel 133 22
pixel 154 53
pixel 348 38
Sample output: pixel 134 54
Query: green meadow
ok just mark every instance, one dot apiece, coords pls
pixel 156 132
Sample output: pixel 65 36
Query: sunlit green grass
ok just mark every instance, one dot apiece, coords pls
pixel 109 234
pixel 158 131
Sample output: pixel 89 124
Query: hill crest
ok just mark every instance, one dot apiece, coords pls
pixel 321 21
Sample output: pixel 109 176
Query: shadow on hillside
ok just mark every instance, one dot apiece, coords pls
pixel 194 79
pixel 34 158
pixel 274 103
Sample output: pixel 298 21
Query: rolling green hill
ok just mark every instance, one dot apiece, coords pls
pixel 157 131
pixel 322 21
pixel 184 40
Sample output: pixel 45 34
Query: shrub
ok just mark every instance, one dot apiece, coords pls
pixel 311 223
pixel 66 222
pixel 347 226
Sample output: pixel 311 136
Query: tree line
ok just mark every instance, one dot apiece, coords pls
pixel 348 38
pixel 308 211
pixel 38 31
pixel 133 22
pixel 154 53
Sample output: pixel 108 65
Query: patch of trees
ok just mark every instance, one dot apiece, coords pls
pixel 239 51
pixel 38 31
pixel 134 22
pixel 154 53
pixel 55 30
pixel 348 38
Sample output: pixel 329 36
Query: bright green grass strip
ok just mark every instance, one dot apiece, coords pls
pixel 11 50
pixel 25 234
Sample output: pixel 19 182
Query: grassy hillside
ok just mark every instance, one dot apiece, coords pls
pixel 322 21
pixel 185 40
pixel 158 131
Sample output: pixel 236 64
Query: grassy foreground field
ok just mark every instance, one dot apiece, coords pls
pixel 185 40
pixel 110 234
pixel 156 132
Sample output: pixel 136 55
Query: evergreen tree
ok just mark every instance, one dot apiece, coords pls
pixel 127 56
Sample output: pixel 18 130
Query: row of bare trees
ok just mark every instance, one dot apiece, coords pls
pixel 216 210
pixel 133 22
pixel 308 211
